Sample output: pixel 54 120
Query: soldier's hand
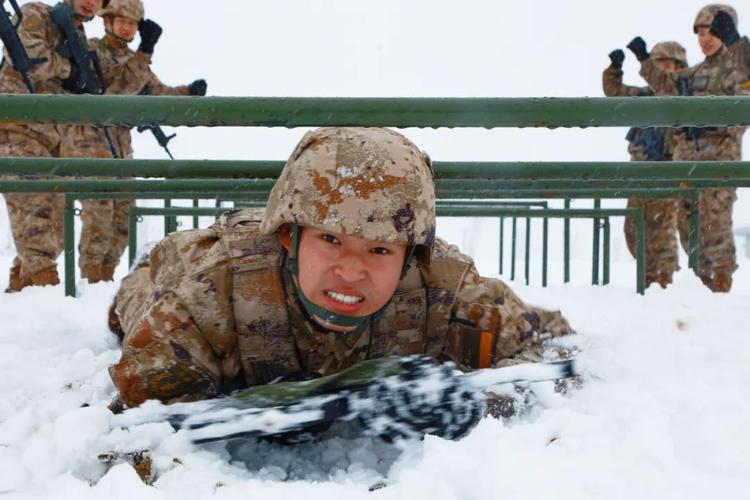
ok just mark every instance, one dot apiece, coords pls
pixel 638 47
pixel 150 32
pixel 617 57
pixel 723 27
pixel 72 83
pixel 198 88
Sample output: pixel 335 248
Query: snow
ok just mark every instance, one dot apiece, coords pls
pixel 663 412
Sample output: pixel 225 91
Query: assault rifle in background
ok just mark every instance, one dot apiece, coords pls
pixel 693 133
pixel 162 138
pixel 391 398
pixel 19 58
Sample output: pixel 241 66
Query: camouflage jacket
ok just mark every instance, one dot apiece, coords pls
pixel 210 312
pixel 640 141
pixel 716 75
pixel 740 52
pixel 125 72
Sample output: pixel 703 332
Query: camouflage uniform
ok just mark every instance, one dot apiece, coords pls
pixel 660 214
pixel 36 220
pixel 716 75
pixel 216 309
pixel 104 233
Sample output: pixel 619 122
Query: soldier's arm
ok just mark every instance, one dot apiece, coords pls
pixel 614 87
pixel 741 52
pixel 168 352
pixel 661 82
pixel 158 88
pixel 35 34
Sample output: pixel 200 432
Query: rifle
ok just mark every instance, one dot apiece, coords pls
pixel 693 133
pixel 650 139
pixel 72 47
pixel 394 397
pixel 162 138
pixel 19 58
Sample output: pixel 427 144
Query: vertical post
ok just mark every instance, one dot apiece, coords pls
pixel 196 221
pixel 132 236
pixel 607 250
pixel 566 245
pixel 513 251
pixel 70 250
pixel 545 250
pixel 167 218
pixel 595 250
pixel 640 256
pixel 527 257
pixel 694 232
pixel 502 244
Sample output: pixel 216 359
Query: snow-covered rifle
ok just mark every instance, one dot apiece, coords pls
pixel 405 397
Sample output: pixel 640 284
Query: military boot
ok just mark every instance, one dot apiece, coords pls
pixel 719 282
pixel 45 277
pixel 93 273
pixel 108 273
pixel 14 282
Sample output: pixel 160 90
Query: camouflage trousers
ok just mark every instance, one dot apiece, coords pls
pixel 36 220
pixel 104 233
pixel 717 249
pixel 661 236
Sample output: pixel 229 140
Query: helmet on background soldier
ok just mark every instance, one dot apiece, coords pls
pixel 130 9
pixel 706 15
pixel 670 50
pixel 371 183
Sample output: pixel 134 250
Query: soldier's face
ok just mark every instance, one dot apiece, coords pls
pixel 710 44
pixel 667 65
pixel 87 8
pixel 347 275
pixel 122 27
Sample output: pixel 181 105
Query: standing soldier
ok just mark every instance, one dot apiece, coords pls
pixel 650 144
pixel 36 220
pixel 104 233
pixel 718 74
pixel 722 22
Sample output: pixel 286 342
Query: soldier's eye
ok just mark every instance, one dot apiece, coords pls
pixel 380 251
pixel 329 238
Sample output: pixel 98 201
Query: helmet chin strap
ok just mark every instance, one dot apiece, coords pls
pixel 322 313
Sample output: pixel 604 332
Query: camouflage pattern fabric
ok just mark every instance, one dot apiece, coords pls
pixel 660 214
pixel 180 317
pixel 716 75
pixel 35 219
pixel 104 232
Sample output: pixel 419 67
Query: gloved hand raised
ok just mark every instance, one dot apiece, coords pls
pixel 617 57
pixel 723 27
pixel 198 88
pixel 150 33
pixel 638 47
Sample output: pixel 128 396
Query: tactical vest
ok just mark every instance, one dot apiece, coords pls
pixel 416 321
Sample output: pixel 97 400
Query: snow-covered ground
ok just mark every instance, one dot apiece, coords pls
pixel 663 413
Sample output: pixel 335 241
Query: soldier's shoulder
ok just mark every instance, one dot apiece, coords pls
pixel 448 251
pixel 36 15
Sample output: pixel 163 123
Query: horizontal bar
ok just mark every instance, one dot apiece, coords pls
pixel 88 167
pixel 551 213
pixel 376 112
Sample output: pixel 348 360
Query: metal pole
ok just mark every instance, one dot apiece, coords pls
pixel 527 259
pixel 69 240
pixel 132 235
pixel 566 245
pixel 607 250
pixel 513 251
pixel 196 222
pixel 545 251
pixel 640 243
pixel 502 243
pixel 595 251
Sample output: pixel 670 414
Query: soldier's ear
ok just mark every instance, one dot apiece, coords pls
pixel 285 236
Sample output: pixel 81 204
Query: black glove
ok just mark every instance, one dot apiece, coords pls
pixel 198 88
pixel 723 27
pixel 638 47
pixel 617 57
pixel 150 33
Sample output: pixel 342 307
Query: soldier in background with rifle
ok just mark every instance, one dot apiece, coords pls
pixel 650 144
pixel 104 233
pixel 719 74
pixel 36 61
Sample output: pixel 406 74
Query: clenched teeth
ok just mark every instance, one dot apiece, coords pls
pixel 344 299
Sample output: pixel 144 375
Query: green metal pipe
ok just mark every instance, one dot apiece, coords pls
pixel 132 236
pixel 513 249
pixel 596 244
pixel 545 251
pixel 566 245
pixel 640 244
pixel 694 233
pixel 607 250
pixel 290 112
pixel 196 222
pixel 69 258
pixel 527 256
pixel 502 244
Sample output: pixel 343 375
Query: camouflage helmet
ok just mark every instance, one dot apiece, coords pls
pixel 131 9
pixel 670 50
pixel 372 183
pixel 706 15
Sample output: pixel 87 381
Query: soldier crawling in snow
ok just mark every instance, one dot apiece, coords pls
pixel 343 267
pixel 719 74
pixel 104 232
pixel 650 144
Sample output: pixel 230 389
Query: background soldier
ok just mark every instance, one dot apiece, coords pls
pixel 344 267
pixel 718 74
pixel 104 233
pixel 36 220
pixel 650 144
pixel 722 20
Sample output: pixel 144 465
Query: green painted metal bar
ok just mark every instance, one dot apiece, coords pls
pixel 566 245
pixel 694 233
pixel 545 251
pixel 502 245
pixel 581 171
pixel 132 236
pixel 596 240
pixel 527 256
pixel 640 244
pixel 607 251
pixel 167 218
pixel 375 112
pixel 196 222
pixel 69 258
pixel 513 249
